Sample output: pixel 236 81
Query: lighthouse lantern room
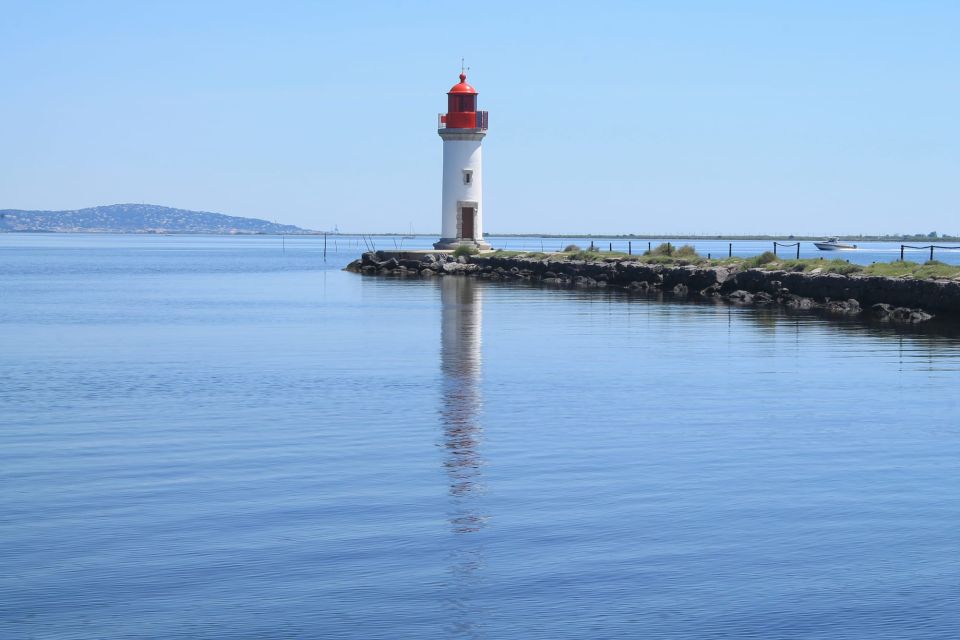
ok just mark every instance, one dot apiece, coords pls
pixel 462 129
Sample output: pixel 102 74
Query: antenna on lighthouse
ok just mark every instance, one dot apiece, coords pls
pixel 463 69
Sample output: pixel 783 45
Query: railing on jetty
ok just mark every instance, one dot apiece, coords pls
pixel 929 246
pixel 784 244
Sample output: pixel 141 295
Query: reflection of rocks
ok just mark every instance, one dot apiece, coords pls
pixel 829 292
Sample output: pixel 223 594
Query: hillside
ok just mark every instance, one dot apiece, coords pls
pixel 136 218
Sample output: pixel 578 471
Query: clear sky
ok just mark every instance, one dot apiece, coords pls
pixel 647 117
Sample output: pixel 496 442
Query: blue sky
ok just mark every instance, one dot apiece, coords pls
pixel 605 117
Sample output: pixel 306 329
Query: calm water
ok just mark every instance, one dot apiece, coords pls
pixel 215 438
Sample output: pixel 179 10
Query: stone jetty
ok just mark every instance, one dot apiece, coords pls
pixel 896 299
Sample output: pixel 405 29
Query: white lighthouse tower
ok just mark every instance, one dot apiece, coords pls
pixel 462 129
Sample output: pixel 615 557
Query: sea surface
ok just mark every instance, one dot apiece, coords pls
pixel 232 438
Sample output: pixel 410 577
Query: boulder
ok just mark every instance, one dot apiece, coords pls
pixel 912 316
pixel 844 307
pixel 882 310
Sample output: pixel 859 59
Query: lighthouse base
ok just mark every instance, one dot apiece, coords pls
pixel 453 243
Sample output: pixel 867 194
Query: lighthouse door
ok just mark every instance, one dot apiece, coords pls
pixel 466 222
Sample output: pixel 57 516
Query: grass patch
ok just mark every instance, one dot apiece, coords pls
pixel 585 254
pixel 686 255
pixel 905 268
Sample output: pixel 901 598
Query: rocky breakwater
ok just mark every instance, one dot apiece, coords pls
pixel 895 299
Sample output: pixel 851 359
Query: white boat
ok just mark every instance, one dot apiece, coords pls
pixel 833 244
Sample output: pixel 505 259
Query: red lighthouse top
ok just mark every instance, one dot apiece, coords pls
pixel 462 86
pixel 462 108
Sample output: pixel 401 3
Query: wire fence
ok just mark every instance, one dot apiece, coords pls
pixel 931 247
pixel 337 244
pixel 785 244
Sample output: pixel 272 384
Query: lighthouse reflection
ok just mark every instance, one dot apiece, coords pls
pixel 460 362
pixel 460 411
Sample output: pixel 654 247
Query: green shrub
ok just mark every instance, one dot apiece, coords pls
pixel 571 248
pixel 758 261
pixel 686 251
pixel 665 249
pixel 465 250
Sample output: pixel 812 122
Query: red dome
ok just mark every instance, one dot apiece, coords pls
pixel 462 86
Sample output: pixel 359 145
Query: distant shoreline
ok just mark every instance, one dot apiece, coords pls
pixel 612 236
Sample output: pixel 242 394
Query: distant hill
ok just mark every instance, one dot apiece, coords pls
pixel 136 218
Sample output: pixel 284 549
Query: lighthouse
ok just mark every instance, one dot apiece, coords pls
pixel 462 129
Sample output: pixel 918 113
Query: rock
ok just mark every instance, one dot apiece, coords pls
pixel 429 259
pixel 680 290
pixel 740 297
pixel 713 291
pixel 390 264
pixel 847 307
pixel 882 310
pixel 903 314
pixel 459 268
pixel 461 260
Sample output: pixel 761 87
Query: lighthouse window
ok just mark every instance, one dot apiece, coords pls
pixel 462 102
pixel 467 176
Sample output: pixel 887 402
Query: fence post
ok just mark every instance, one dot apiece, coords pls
pixel 324 247
pixel 610 247
pixel 931 253
pixel 730 250
pixel 774 247
pixel 649 246
pixel 630 247
pixel 798 251
pixel 901 253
